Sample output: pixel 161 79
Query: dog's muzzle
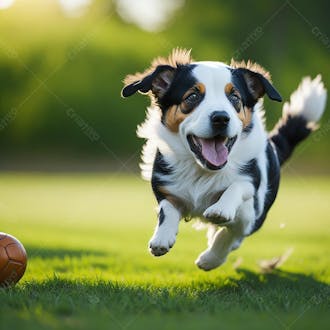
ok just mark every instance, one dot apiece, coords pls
pixel 211 152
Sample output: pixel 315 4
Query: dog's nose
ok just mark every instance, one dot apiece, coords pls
pixel 219 119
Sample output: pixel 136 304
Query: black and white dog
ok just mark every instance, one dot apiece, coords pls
pixel 208 154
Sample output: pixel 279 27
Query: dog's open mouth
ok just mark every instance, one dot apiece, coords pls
pixel 212 152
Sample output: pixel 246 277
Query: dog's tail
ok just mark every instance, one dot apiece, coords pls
pixel 300 116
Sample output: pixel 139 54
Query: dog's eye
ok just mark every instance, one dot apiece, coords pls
pixel 192 99
pixel 235 101
pixel 234 98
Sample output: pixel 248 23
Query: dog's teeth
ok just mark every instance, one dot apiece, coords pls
pixel 196 141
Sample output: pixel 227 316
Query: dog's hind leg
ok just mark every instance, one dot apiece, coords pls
pixel 216 254
pixel 227 238
pixel 211 231
pixel 165 233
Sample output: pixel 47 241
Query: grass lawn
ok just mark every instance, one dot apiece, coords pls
pixel 89 268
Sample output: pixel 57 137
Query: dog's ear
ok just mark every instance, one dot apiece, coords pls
pixel 158 81
pixel 255 84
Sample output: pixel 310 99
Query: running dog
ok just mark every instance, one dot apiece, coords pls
pixel 207 152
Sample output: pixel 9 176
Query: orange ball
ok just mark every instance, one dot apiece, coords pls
pixel 13 260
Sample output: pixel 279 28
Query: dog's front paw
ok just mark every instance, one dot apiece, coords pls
pixel 161 244
pixel 208 260
pixel 220 214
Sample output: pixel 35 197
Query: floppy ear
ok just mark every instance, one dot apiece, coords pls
pixel 256 84
pixel 158 81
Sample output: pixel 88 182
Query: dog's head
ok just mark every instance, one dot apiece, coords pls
pixel 208 104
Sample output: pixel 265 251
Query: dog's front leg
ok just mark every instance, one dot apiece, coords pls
pixel 165 233
pixel 225 209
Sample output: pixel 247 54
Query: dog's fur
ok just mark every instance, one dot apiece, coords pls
pixel 208 154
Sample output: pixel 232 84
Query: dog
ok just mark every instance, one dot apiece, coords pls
pixel 207 152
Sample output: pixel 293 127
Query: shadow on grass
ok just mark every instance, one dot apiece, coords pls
pixel 61 253
pixel 273 301
pixel 279 291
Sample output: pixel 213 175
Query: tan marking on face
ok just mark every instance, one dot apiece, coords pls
pixel 201 88
pixel 245 115
pixel 174 117
pixel 229 88
pixel 176 114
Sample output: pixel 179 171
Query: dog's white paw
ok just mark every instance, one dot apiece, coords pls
pixel 220 213
pixel 208 260
pixel 160 244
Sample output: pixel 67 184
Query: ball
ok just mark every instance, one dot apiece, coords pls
pixel 13 260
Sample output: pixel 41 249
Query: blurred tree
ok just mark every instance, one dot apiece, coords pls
pixel 51 62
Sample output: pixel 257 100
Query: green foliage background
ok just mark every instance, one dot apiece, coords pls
pixel 50 63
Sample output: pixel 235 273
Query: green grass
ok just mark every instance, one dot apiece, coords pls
pixel 86 237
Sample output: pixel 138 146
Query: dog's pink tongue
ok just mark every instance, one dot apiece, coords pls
pixel 214 151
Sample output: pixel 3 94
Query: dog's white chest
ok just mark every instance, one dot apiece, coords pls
pixel 198 189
